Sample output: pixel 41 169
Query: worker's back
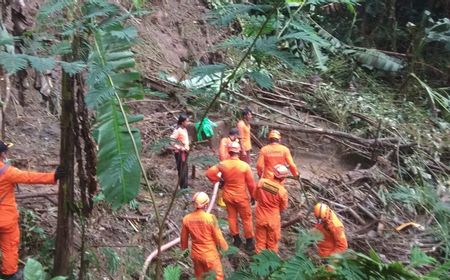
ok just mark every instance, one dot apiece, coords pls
pixel 202 227
pixel 271 155
pixel 237 176
pixel 271 198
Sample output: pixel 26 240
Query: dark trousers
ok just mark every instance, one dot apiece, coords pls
pixel 245 158
pixel 182 167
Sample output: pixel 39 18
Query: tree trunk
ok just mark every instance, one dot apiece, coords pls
pixel 64 229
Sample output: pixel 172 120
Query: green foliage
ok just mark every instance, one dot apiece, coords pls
pixel 112 260
pixel 419 258
pixel 264 263
pixel 33 239
pixel 111 79
pixel 34 271
pixel 348 266
pixel 13 62
pixel 224 15
pixel 172 272
pixel 262 79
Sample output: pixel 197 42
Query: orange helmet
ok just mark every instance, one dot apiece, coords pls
pixel 200 199
pixel 280 171
pixel 274 134
pixel 234 147
pixel 322 211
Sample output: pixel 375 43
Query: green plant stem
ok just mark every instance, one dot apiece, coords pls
pixel 290 19
pixel 236 68
pixel 136 150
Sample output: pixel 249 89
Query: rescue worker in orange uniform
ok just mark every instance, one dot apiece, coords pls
pixel 273 154
pixel 9 216
pixel 181 149
pixel 206 236
pixel 224 154
pixel 245 134
pixel 271 199
pixel 238 187
pixel 225 143
pixel 332 229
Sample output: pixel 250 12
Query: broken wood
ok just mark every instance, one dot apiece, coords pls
pixel 388 142
pixel 31 195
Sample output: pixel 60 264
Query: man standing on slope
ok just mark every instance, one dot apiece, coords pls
pixel 181 149
pixel 332 229
pixel 224 154
pixel 206 236
pixel 244 131
pixel 225 143
pixel 238 178
pixel 273 154
pixel 271 199
pixel 9 216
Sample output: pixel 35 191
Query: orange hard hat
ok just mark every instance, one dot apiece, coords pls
pixel 200 199
pixel 322 211
pixel 275 134
pixel 234 147
pixel 280 171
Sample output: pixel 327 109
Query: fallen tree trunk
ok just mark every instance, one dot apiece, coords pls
pixel 386 142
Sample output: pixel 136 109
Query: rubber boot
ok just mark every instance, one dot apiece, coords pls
pixel 16 276
pixel 250 244
pixel 220 201
pixel 237 241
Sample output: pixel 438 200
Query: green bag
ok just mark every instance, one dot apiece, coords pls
pixel 207 129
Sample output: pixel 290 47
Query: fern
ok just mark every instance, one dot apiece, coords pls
pixel 419 258
pixel 299 267
pixel 41 64
pixel 112 260
pixel 262 79
pixel 13 62
pixel 51 7
pixel 172 272
pixel 226 14
pixel 265 263
pixel 251 25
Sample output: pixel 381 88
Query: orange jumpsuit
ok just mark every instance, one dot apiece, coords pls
pixel 238 177
pixel 9 216
pixel 206 236
pixel 246 139
pixel 223 148
pixel 271 155
pixel 271 198
pixel 334 240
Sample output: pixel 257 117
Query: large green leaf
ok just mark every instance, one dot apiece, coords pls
pixel 118 167
pixel 110 80
pixel 34 270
